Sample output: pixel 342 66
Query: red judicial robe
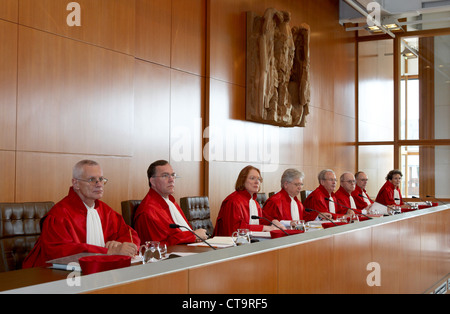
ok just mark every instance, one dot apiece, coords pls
pixel 316 200
pixel 360 201
pixel 64 231
pixel 386 195
pixel 152 220
pixel 278 207
pixel 235 214
pixel 343 198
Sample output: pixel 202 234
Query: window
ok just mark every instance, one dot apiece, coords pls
pixel 419 143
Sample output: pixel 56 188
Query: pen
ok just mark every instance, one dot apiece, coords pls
pixel 131 236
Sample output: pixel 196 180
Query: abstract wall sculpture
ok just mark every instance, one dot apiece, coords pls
pixel 278 81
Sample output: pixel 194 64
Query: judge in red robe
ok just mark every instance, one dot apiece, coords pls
pixel 238 208
pixel 66 229
pixel 284 206
pixel 344 196
pixel 389 193
pixel 362 199
pixel 317 199
pixel 158 210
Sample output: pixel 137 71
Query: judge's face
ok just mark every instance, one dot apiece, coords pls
pixel 294 187
pixel 396 180
pixel 163 181
pixel 330 182
pixel 253 182
pixel 362 180
pixel 89 191
pixel 349 182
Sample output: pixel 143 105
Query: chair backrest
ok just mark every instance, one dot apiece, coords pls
pixel 261 198
pixel 197 212
pixel 128 209
pixel 19 230
pixel 304 194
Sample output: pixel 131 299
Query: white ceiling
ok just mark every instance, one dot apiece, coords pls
pixel 417 12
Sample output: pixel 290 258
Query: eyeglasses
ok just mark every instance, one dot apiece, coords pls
pixel 253 178
pixel 299 185
pixel 166 176
pixel 93 181
pixel 350 181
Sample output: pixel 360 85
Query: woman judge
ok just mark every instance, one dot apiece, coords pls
pixel 389 193
pixel 238 208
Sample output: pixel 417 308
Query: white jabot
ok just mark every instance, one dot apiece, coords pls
pixel 366 198
pixel 352 202
pixel 331 205
pixel 176 215
pixel 396 196
pixel 253 212
pixel 294 209
pixel 94 230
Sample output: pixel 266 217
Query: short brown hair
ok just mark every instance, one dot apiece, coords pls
pixel 391 174
pixel 151 171
pixel 240 182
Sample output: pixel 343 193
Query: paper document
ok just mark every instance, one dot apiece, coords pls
pixel 220 242
pixel 383 210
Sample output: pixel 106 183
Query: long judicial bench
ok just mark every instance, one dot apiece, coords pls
pixel 406 253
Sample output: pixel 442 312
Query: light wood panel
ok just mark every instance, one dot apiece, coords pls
pixel 8 84
pixel 47 177
pixel 9 10
pixel 73 97
pixel 105 23
pixel 351 254
pixel 176 283
pixel 153 31
pixel 306 268
pixel 8 177
pixel 188 39
pixel 151 134
pixel 246 277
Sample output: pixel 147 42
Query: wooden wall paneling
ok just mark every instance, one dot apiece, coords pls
pixel 430 250
pixel 188 43
pixel 344 139
pixel 73 97
pixel 8 84
pixel 8 177
pixel 9 10
pixel 174 283
pixel 386 244
pixel 153 31
pixel 151 137
pixel 48 177
pixel 306 268
pixel 186 129
pixel 105 23
pixel 246 277
pixel 410 256
pixel 352 271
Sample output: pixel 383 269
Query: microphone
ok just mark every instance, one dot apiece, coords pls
pixel 257 217
pixel 174 226
pixel 444 203
pixel 326 198
pixel 360 195
pixel 407 203
pixel 313 210
pixel 426 202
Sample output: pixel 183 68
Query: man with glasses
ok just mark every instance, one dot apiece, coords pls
pixel 362 199
pixel 82 223
pixel 344 194
pixel 284 206
pixel 322 199
pixel 158 210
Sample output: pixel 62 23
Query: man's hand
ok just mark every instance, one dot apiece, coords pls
pixel 117 248
pixel 202 234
